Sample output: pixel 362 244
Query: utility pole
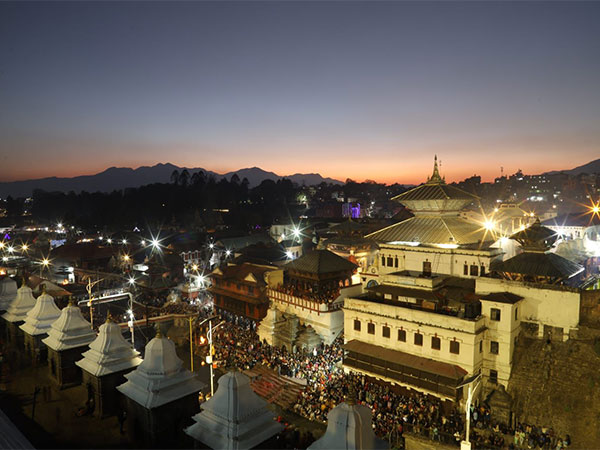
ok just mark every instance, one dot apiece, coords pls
pixel 191 345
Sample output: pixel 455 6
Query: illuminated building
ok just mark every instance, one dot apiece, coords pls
pixel 161 395
pixel 17 312
pixel 68 337
pixel 305 309
pixel 349 426
pixel 37 324
pixel 242 288
pixel 437 240
pixel 105 364
pixel 235 417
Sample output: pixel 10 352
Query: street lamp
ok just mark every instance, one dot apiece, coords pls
pixel 466 444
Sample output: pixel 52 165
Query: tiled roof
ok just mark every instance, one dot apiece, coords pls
pixel 431 366
pixel 502 297
pixel 434 191
pixel 538 264
pixel 536 233
pixel 320 261
pixel 239 272
pixel 433 230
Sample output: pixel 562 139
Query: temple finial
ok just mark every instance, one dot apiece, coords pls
pixel 435 176
pixel 158 332
pixel 71 301
pixel 43 288
pixel 109 318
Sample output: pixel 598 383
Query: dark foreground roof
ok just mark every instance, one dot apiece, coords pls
pixel 538 264
pixel 502 297
pixel 320 262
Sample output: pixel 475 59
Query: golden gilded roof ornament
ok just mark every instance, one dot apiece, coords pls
pixel 435 176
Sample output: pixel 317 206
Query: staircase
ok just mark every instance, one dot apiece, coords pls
pixel 275 388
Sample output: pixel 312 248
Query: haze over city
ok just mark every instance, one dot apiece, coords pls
pixel 350 90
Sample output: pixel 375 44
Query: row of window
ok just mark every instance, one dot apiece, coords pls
pixel 391 262
pixel 473 270
pixel 436 342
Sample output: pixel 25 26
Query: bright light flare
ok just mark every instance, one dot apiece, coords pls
pixel 45 262
pixel 109 240
pixel 195 267
pixel 489 225
pixel 126 257
pixel 25 247
pixel 227 252
pixel 131 280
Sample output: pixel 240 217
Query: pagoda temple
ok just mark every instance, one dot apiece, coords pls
pixel 161 396
pixel 349 427
pixel 438 239
pixel 536 263
pixel 37 324
pixel 17 312
pixel 306 309
pixel 67 338
pixel 8 291
pixel 235 417
pixel 104 366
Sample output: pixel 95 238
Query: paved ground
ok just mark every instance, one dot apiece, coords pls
pixel 56 422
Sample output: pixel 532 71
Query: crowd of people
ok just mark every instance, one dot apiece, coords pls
pixel 394 411
pixel 328 296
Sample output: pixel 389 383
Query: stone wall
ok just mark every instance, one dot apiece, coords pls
pixel 558 385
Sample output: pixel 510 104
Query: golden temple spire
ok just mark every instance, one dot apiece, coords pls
pixel 435 177
pixel 158 332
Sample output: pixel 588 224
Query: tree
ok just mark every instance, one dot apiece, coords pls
pixel 184 177
pixel 235 179
pixel 175 177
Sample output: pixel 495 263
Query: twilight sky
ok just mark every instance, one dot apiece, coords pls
pixel 366 90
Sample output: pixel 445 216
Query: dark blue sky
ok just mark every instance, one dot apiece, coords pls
pixel 348 89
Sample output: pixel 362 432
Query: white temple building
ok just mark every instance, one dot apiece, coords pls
pixel 37 324
pixel 104 365
pixel 235 417
pixel 67 338
pixel 349 427
pixel 8 292
pixel 17 312
pixel 161 396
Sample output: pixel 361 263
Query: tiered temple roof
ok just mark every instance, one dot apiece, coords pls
pixel 8 291
pixel 320 262
pixel 349 427
pixel 41 316
pixel 235 417
pixel 160 378
pixel 20 306
pixel 536 263
pixel 109 352
pixel 436 207
pixel 70 330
